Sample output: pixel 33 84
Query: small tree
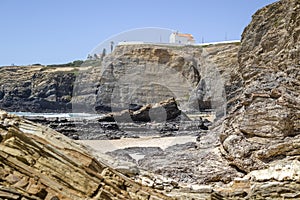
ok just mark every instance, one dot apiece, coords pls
pixel 89 57
pixel 103 54
pixel 112 46
pixel 96 56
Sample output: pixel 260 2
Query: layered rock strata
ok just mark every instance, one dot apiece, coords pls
pixel 132 75
pixel 39 163
pixel 36 88
pixel 265 125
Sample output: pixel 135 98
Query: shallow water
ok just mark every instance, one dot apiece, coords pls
pixel 48 115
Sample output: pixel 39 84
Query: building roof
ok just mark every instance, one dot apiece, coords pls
pixel 186 35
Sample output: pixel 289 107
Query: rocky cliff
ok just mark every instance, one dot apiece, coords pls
pixel 36 88
pixel 131 75
pixel 262 131
pixel 267 117
pixel 199 78
pixel 252 154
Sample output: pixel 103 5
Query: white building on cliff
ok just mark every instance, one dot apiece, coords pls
pixel 181 38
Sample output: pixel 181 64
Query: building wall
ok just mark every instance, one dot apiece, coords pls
pixel 172 38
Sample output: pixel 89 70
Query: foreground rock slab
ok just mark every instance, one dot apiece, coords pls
pixel 39 163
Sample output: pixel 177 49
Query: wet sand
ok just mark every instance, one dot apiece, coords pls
pixel 111 145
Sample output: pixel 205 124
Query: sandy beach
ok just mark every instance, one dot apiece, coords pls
pixel 111 145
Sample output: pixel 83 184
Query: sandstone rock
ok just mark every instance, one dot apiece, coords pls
pixel 39 163
pixel 267 121
pixel 261 135
pixel 147 74
pixel 256 156
pixel 132 75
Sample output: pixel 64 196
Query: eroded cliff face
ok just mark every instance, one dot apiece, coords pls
pixel 36 88
pixel 261 133
pixel 132 74
pixel 253 155
pixel 199 78
pixel 269 112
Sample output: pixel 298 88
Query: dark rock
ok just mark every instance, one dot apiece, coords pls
pixel 166 134
pixel 134 107
pixel 1 95
pixel 36 89
pixel 125 154
pixel 160 112
pixel 75 137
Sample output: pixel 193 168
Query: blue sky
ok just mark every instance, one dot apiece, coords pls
pixel 59 31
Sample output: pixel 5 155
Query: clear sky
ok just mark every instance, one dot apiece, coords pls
pixel 60 31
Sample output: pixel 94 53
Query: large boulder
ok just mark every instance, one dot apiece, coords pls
pixel 159 112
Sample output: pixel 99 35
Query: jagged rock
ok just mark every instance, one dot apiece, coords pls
pixel 265 125
pixel 256 156
pixel 37 88
pixel 163 118
pixel 218 69
pixel 91 129
pixel 261 133
pixel 259 142
pixel 39 163
pixel 186 164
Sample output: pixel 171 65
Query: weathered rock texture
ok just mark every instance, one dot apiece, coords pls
pixel 266 123
pixel 39 163
pixel 219 62
pixel 254 155
pixel 36 88
pixel 196 77
pixel 159 112
pixel 261 134
pixel 165 116
pixel 132 74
